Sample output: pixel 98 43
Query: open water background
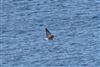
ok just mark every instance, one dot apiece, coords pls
pixel 75 24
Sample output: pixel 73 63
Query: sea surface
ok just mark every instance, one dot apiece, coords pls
pixel 74 23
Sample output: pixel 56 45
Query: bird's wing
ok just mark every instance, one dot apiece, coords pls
pixel 47 32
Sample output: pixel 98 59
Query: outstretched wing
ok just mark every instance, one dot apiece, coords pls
pixel 47 32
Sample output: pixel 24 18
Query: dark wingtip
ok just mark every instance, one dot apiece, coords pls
pixel 47 32
pixel 46 29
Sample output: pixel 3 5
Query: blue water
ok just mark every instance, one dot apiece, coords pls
pixel 75 24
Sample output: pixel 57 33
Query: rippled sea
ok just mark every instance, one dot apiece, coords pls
pixel 75 24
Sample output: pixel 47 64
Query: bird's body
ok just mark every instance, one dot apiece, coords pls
pixel 48 34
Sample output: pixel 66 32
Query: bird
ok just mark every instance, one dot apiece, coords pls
pixel 49 35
